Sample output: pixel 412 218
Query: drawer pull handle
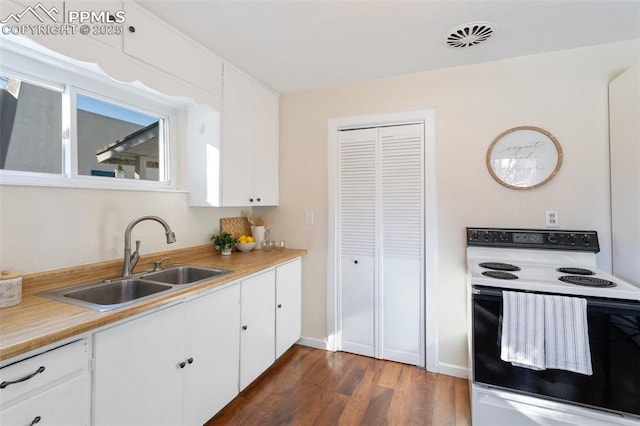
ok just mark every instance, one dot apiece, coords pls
pixel 25 378
pixel 244 327
pixel 190 360
pixel 182 364
pixel 36 420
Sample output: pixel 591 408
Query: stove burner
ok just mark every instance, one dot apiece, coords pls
pixel 576 271
pixel 501 275
pixel 498 266
pixel 586 281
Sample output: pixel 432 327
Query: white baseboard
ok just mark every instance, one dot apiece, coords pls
pixel 453 370
pixel 313 343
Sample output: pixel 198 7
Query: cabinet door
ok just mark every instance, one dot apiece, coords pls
pixel 288 305
pixel 265 145
pixel 137 377
pixel 66 405
pixel 203 149
pixel 108 35
pixel 237 138
pixel 213 343
pixel 162 46
pixel 257 336
pixel 624 110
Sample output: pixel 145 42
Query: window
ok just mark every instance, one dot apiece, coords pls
pixel 31 127
pixel 118 142
pixel 66 123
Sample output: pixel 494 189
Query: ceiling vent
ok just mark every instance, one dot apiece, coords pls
pixel 470 34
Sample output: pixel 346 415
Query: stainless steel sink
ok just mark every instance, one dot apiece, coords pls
pixel 184 274
pixel 118 292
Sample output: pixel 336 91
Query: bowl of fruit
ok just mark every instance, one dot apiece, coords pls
pixel 245 243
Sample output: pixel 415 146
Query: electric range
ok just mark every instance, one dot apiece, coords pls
pixel 551 263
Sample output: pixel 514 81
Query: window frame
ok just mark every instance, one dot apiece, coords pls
pixel 57 72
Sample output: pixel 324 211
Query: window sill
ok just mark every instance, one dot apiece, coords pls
pixel 84 182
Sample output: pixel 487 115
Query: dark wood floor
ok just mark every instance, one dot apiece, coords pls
pixel 314 387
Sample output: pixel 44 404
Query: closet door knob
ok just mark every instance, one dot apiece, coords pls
pixel 355 261
pixel 182 364
pixel 280 305
pixel 132 29
pixel 251 200
pixel 258 199
pixel 190 360
pixel 244 327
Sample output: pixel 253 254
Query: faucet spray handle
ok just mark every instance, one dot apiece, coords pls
pixel 135 256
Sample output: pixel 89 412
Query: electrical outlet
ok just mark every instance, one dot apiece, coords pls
pixel 308 217
pixel 552 218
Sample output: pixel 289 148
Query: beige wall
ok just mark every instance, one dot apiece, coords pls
pixel 50 228
pixel 564 93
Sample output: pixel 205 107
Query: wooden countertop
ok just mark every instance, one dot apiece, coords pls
pixel 38 322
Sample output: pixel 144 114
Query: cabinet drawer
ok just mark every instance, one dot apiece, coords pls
pixel 64 405
pixel 31 373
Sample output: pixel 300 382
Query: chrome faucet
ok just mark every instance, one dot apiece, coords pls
pixel 130 260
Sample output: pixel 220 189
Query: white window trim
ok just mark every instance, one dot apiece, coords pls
pixel 22 56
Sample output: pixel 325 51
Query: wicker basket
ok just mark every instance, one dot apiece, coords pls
pixel 10 289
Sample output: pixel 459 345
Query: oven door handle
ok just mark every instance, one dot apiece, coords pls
pixel 592 302
pixel 486 292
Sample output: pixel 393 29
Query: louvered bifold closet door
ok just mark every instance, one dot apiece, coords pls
pixel 356 231
pixel 401 222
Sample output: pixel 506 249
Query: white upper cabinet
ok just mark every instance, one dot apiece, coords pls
pixel 203 156
pixel 152 41
pixel 106 33
pixel 250 114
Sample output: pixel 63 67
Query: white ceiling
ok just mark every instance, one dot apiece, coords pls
pixel 300 45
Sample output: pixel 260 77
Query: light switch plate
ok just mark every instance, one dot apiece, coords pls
pixel 308 217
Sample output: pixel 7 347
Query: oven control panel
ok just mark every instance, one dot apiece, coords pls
pixel 534 239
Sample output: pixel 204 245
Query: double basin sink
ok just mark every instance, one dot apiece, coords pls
pixel 124 291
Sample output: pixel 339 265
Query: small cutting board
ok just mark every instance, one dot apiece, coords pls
pixel 236 226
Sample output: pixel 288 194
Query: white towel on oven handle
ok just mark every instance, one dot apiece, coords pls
pixel 544 331
pixel 567 334
pixel 523 324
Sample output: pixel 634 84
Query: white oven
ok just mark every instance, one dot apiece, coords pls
pixel 554 340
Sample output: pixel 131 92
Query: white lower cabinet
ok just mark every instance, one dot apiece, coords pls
pixel 288 305
pixel 64 405
pixel 212 379
pixel 257 337
pixel 51 388
pixel 174 366
pixel 271 318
